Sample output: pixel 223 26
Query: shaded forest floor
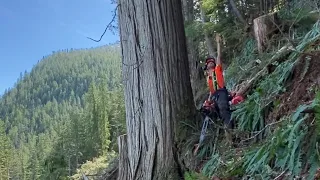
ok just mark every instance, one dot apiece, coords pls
pixel 302 87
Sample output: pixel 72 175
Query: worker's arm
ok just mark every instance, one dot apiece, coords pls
pixel 218 39
pixel 218 69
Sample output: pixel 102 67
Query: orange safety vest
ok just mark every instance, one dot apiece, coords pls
pixel 215 79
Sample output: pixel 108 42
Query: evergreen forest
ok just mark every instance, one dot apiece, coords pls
pixel 65 113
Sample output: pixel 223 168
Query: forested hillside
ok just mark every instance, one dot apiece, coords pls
pixel 270 54
pixel 67 110
pixel 63 119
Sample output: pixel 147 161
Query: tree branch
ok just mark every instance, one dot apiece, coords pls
pixel 271 124
pixel 108 26
pixel 280 175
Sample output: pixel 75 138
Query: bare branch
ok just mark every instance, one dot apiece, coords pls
pixel 271 124
pixel 281 175
pixel 108 26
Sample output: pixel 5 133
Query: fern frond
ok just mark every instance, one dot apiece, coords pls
pixel 212 165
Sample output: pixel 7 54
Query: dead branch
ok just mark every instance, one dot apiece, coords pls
pixel 244 87
pixel 112 171
pixel 259 132
pixel 108 26
pixel 281 175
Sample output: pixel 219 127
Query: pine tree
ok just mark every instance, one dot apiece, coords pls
pixel 5 153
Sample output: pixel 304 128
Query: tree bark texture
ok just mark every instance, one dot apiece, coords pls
pixel 263 27
pixel 192 46
pixel 124 158
pixel 157 85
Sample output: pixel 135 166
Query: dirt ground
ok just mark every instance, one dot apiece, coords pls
pixel 299 90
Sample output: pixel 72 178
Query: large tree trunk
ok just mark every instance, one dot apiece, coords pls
pixel 192 45
pixel 157 85
pixel 264 26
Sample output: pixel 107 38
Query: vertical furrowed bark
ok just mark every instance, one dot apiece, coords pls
pixel 123 159
pixel 157 84
pixel 192 46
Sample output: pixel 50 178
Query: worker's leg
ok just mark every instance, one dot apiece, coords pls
pixel 222 101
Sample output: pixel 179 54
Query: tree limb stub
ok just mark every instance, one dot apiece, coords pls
pixel 262 26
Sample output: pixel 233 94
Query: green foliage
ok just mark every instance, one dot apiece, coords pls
pixel 286 149
pixel 60 114
pixel 95 168
pixel 5 153
pixel 194 176
pixel 293 145
pixel 212 165
pixel 250 113
pixel 241 65
pixel 297 13
pixel 194 31
pixel 87 134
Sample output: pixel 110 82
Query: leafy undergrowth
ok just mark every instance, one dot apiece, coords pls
pixel 304 85
pixel 278 125
pixel 94 169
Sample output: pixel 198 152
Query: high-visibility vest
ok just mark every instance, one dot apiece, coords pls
pixel 212 82
pixel 215 79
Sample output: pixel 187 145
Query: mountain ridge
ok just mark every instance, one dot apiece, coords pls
pixel 39 112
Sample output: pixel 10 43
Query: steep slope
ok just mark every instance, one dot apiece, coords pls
pixel 277 131
pixel 54 101
pixel 274 58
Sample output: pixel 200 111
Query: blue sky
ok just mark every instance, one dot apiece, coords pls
pixel 31 29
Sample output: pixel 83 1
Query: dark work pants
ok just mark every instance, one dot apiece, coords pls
pixel 221 99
